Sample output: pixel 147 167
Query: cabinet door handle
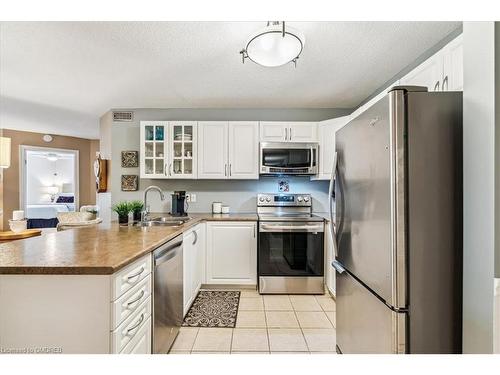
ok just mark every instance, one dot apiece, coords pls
pixel 136 299
pixel 170 169
pixel 445 80
pixel 225 170
pixel 136 274
pixel 290 133
pixel 230 169
pixel 136 325
pixel 195 237
pixel 436 86
pixel 286 134
pixel 254 230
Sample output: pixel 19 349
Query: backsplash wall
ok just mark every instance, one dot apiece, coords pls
pixel 240 195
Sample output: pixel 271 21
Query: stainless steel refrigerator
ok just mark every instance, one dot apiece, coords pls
pixel 396 207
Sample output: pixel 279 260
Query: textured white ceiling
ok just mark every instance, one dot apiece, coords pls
pixel 60 77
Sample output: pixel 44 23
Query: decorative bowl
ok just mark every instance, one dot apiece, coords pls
pixel 18 225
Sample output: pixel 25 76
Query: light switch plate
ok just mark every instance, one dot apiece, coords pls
pixel 193 198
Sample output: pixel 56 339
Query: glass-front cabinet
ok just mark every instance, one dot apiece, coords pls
pixel 168 149
pixel 183 149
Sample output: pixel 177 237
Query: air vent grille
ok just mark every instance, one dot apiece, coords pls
pixel 123 116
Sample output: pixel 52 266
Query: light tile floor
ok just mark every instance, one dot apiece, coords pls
pixel 268 324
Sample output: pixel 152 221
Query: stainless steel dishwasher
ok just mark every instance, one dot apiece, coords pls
pixel 167 294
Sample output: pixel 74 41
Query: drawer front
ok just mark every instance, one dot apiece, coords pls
pixel 130 326
pixel 141 343
pixel 131 276
pixel 130 301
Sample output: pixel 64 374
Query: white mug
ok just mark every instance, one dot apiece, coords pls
pixel 216 207
pixel 225 209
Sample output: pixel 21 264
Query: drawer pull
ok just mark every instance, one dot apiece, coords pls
pixel 136 274
pixel 137 299
pixel 136 325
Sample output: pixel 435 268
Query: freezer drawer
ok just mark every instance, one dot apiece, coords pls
pixel 364 323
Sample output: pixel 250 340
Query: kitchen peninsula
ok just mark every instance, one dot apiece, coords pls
pixel 89 290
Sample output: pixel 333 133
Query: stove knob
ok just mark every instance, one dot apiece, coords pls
pixel 268 199
pixel 261 199
pixel 306 199
pixel 300 199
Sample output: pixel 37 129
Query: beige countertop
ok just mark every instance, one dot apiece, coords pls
pixel 98 250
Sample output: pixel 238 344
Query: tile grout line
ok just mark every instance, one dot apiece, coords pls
pixel 267 328
pixel 300 327
pixel 194 341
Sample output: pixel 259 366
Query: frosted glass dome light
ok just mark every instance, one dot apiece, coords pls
pixel 274 45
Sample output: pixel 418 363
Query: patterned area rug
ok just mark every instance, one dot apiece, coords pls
pixel 213 308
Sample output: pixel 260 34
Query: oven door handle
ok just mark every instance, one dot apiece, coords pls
pixel 291 228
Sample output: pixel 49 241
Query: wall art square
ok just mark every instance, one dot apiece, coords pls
pixel 130 182
pixel 130 159
pixel 283 186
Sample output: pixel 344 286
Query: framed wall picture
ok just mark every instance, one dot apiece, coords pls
pixel 130 159
pixel 130 182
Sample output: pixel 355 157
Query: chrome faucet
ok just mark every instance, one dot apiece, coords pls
pixel 145 210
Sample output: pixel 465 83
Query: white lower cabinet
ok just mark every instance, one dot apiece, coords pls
pixel 231 252
pixel 141 342
pixel 193 263
pixel 79 314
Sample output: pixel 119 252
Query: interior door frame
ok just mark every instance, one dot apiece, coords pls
pixel 23 149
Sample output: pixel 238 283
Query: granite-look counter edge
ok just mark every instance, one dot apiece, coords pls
pixel 100 250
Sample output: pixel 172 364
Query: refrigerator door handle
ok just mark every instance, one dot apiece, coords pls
pixel 338 266
pixel 331 192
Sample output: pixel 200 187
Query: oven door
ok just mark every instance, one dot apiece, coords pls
pixel 291 249
pixel 286 158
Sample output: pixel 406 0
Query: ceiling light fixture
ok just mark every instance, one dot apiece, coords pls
pixel 274 45
pixel 52 157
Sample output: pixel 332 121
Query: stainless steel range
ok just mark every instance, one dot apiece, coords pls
pixel 291 245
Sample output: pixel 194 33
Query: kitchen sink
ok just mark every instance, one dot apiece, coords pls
pixel 163 222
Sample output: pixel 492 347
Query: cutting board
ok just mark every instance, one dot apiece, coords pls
pixel 11 236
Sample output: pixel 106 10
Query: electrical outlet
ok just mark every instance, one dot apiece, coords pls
pixel 193 198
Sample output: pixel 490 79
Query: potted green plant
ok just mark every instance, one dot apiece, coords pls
pixel 136 208
pixel 122 209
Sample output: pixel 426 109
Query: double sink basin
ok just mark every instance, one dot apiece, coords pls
pixel 163 222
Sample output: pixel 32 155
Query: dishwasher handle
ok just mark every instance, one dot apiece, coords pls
pixel 166 253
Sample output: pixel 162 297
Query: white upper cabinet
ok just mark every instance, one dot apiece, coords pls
pixel 303 132
pixel 326 132
pixel 428 74
pixel 153 149
pixel 244 150
pixel 273 131
pixel 168 149
pixel 453 65
pixel 212 149
pixel 228 150
pixel 280 131
pixel 183 149
pixel 442 71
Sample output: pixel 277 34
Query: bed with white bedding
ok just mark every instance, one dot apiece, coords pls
pixel 47 211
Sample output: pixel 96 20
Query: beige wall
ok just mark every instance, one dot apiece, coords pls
pixel 86 148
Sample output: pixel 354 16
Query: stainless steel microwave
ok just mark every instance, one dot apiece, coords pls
pixel 283 158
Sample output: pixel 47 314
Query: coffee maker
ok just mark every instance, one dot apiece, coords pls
pixel 179 203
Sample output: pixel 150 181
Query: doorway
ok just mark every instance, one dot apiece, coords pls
pixel 49 184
